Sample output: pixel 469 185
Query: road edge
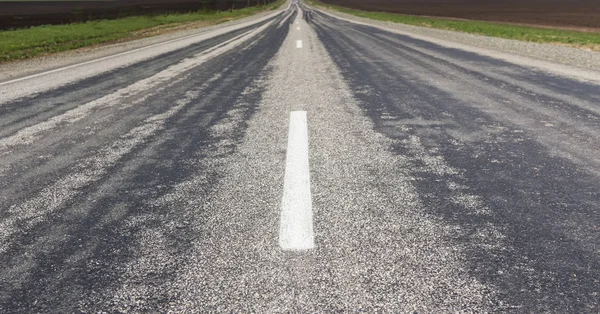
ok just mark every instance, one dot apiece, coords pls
pixel 565 61
pixel 24 68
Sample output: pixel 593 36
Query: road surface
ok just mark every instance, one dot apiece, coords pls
pixel 301 163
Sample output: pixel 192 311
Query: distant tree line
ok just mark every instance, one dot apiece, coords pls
pixel 20 14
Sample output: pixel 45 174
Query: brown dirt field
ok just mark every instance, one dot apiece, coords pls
pixel 569 14
pixel 31 13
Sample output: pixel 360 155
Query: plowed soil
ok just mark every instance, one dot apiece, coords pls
pixel 569 14
pixel 20 14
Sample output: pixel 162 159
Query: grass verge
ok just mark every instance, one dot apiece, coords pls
pixel 584 40
pixel 40 40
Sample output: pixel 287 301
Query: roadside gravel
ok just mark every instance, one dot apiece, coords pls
pixel 17 69
pixel 534 53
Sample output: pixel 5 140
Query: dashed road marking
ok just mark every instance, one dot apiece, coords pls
pixel 298 43
pixel 296 224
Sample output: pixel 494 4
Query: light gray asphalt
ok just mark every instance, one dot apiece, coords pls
pixel 442 180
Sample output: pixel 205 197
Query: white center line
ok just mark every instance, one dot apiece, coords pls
pixel 296 224
pixel 298 43
pixel 298 28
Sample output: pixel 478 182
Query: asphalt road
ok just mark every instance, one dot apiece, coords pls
pixel 438 180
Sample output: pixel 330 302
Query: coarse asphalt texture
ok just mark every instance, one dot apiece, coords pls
pixel 442 180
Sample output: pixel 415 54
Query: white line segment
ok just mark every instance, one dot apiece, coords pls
pixel 229 28
pixel 298 43
pixel 102 58
pixel 296 224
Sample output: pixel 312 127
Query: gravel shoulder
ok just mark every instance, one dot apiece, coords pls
pixel 22 68
pixel 576 63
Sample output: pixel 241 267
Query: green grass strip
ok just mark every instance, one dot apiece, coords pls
pixel 39 40
pixel 587 40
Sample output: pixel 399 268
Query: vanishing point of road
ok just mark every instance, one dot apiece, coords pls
pixel 300 162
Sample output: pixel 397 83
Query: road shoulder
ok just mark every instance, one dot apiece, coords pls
pixel 576 63
pixel 23 68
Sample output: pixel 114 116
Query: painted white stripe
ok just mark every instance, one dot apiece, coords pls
pixel 95 60
pixel 298 43
pixel 103 58
pixel 29 134
pixel 298 28
pixel 233 26
pixel 296 224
